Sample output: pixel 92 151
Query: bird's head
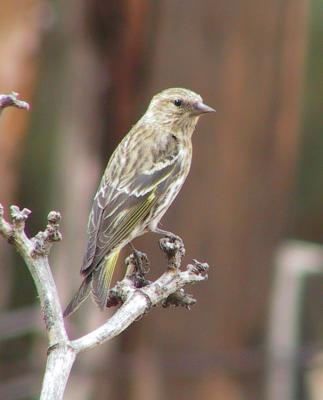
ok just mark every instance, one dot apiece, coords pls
pixel 177 108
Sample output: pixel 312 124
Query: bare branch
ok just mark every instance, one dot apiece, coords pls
pixel 11 100
pixel 139 295
pixel 35 254
pixel 58 367
pixel 135 294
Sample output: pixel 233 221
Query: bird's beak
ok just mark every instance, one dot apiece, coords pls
pixel 202 108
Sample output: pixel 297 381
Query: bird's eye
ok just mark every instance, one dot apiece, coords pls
pixel 178 102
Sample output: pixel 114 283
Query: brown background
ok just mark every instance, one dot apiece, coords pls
pixel 89 69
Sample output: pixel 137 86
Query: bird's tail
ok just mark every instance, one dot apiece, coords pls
pixel 101 278
pixel 98 282
pixel 81 295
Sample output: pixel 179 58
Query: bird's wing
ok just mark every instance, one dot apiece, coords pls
pixel 124 202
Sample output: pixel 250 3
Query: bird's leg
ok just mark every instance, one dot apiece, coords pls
pixel 168 234
pixel 173 246
pixel 142 263
pixel 137 267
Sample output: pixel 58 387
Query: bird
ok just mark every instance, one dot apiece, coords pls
pixel 143 176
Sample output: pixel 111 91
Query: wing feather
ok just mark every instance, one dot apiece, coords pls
pixel 121 205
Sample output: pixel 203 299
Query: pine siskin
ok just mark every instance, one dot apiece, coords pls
pixel 143 177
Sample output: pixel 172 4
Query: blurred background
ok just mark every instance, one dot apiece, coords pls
pixel 251 207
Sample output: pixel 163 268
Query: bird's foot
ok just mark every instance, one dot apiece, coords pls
pixel 173 247
pixel 141 262
pixel 137 268
pixel 169 235
pixel 175 239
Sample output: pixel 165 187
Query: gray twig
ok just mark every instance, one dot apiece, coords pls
pixel 11 100
pixel 134 293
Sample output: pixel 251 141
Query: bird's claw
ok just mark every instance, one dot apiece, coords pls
pixel 141 262
pixel 137 268
pixel 172 244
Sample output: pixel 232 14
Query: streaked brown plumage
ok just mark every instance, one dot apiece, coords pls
pixel 143 176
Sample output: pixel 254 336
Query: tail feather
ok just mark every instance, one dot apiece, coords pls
pixel 101 279
pixel 81 295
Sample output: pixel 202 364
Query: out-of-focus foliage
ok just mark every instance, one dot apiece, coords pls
pixel 309 199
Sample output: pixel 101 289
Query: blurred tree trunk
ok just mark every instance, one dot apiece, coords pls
pixel 19 49
pixel 106 41
pixel 20 38
pixel 246 59
pixel 79 77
